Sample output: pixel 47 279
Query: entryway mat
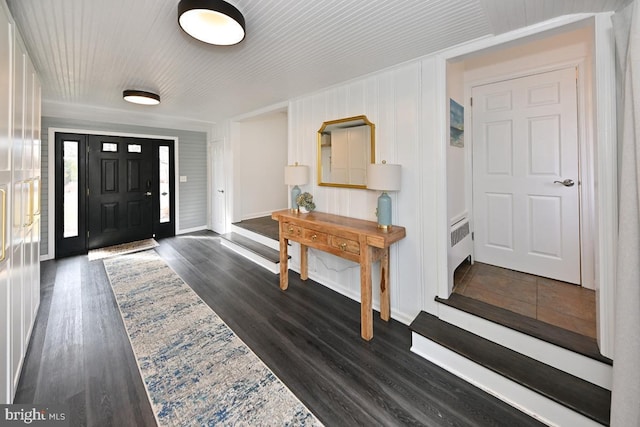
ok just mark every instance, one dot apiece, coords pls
pixel 124 248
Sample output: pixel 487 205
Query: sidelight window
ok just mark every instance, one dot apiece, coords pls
pixel 71 190
pixel 165 187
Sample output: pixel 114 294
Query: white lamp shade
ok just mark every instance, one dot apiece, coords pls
pixel 296 174
pixel 383 177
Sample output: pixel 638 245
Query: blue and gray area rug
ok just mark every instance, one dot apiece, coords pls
pixel 195 369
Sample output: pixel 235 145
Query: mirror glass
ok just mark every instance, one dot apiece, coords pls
pixel 345 147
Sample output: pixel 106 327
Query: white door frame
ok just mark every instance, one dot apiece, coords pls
pixel 605 162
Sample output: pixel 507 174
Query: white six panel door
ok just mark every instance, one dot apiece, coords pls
pixel 525 144
pixel 219 206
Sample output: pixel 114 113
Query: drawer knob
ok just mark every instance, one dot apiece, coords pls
pixel 314 237
pixel 290 229
pixel 343 246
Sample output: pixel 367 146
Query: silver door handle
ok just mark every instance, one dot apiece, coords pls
pixel 220 191
pixel 566 182
pixel 148 193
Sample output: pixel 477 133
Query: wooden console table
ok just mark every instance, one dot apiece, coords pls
pixel 353 239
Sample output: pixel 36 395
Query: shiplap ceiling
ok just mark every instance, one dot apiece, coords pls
pixel 88 51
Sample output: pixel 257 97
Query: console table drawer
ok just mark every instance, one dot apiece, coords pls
pixel 291 230
pixel 314 236
pixel 344 245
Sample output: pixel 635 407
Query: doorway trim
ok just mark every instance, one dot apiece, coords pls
pixel 51 176
pixel 605 162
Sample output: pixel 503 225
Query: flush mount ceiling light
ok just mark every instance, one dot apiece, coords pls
pixel 141 97
pixel 211 21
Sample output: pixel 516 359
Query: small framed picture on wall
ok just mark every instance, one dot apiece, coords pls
pixel 456 124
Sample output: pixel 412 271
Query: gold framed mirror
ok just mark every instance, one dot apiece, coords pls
pixel 345 148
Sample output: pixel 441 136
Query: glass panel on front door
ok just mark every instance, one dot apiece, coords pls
pixel 70 163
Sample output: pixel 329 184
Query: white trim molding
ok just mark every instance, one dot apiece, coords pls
pixel 607 176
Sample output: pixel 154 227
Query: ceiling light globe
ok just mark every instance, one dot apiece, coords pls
pixel 213 22
pixel 141 97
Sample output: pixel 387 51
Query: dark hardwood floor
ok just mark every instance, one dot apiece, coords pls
pixel 309 336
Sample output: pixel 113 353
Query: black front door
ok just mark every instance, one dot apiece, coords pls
pixel 121 184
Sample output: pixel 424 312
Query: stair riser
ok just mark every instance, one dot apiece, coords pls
pixel 575 364
pixel 512 393
pixel 272 267
pixel 273 244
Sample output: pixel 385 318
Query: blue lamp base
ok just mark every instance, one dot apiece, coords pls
pixel 295 192
pixel 384 212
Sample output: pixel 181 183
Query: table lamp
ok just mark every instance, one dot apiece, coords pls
pixel 295 175
pixel 383 177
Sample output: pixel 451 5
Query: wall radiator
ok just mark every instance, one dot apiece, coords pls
pixel 459 232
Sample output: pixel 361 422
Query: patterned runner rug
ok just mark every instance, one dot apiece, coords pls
pixel 125 248
pixel 195 369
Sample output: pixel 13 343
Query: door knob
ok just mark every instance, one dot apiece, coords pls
pixel 566 182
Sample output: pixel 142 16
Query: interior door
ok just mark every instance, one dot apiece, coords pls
pixel 525 175
pixel 120 190
pixel 218 208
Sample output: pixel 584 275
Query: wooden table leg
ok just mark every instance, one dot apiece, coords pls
pixel 385 298
pixel 304 265
pixel 284 267
pixel 366 311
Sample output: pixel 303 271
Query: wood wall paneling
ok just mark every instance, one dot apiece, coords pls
pixel 392 101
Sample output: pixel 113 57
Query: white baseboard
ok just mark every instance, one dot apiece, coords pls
pixel 191 230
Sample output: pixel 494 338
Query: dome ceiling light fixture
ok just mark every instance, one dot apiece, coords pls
pixel 211 21
pixel 141 97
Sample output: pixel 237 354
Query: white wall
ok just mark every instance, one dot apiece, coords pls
pixel 456 167
pixel 260 155
pixel 392 101
pixel 564 47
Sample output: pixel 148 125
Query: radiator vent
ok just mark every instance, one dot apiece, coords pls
pixel 459 233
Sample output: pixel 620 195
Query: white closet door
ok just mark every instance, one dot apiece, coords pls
pixel 6 45
pixel 525 145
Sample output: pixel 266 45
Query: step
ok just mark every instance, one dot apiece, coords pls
pixel 550 333
pixel 581 402
pixel 255 236
pixel 257 252
pixel 501 330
